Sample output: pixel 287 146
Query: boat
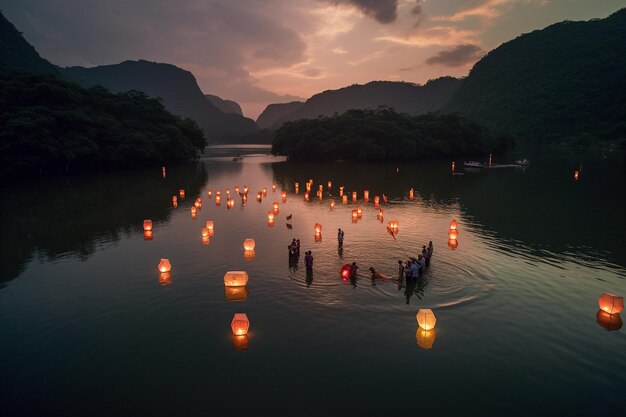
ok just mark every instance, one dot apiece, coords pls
pixel 472 164
pixel 522 162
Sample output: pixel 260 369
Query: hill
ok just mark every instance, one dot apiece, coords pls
pixel 564 83
pixel 401 96
pixel 383 134
pixel 16 53
pixel 178 88
pixel 275 112
pixel 226 106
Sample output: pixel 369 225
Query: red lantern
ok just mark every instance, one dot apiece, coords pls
pixel 345 271
pixel 240 324
pixel 332 204
pixel 235 279
pixel 453 225
pixel 318 228
pixel 611 303
pixel 359 211
pixel 147 225
pixel 355 214
pixel 576 175
pixel 164 265
pixel 235 294
pixel 181 192
pixel 147 235
pixel 453 243
pixel 453 235
pixel 209 193
pixel 453 167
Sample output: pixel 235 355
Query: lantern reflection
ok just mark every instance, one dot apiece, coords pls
pixel 248 255
pixel 393 226
pixel 209 193
pixel 332 204
pixel 411 194
pixel 608 321
pixel 147 235
pixel 318 228
pixel 147 225
pixel 205 232
pixel 453 243
pixel 355 214
pixel 235 278
pixel 205 240
pixel 426 318
pixel 341 191
pixel 236 294
pixel 218 200
pixel 164 265
pixel 359 211
pixel 376 201
pixel 240 324
pixel 453 235
pixel 354 196
pixel 240 342
pixel 453 225
pixel 181 192
pixel 318 237
pixel 344 199
pixel 306 196
pixel 425 338
pixel 611 303
pixel 453 167
pixel 165 278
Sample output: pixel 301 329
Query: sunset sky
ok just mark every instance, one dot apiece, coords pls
pixel 265 51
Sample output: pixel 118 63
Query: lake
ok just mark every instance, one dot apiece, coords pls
pixel 89 326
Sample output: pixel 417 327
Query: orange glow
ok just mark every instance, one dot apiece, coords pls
pixel 236 294
pixel 230 203
pixel 297 188
pixel 341 191
pixel 194 210
pixel 318 237
pixel 453 243
pixel 181 192
pixel 426 318
pixel 318 228
pixel 240 342
pixel 283 195
pixel 609 321
pixel 236 188
pixel 174 200
pixel 209 225
pixel 344 199
pixel 270 216
pixel 308 187
pixel 270 223
pixel 209 193
pixel 321 188
pixel 165 278
pixel 248 255
pixel 164 265
pixel 264 191
pixel 235 278
pixel 355 214
pixel 228 191
pixel 240 324
pixel 218 193
pixel 453 225
pixel 425 338
pixel 376 201
pixel 248 244
pixel 218 200
pixel 359 211
pixel 366 195
pixel 147 225
pixel 275 205
pixel 453 235
pixel 453 167
pixel 245 189
pixel 163 171
pixel 198 202
pixel 147 235
pixel 411 194
pixel 576 175
pixel 330 185
pixel 332 204
pixel 205 232
pixel 273 187
pixel 393 226
pixel 354 196
pixel 611 303
pixel 306 196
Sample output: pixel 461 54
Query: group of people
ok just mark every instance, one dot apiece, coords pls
pixel 414 268
pixel 294 254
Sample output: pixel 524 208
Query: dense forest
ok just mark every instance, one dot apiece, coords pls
pixel 52 126
pixel 383 134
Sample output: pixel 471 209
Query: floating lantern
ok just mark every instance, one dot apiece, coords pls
pixel 147 235
pixel 341 191
pixel 426 318
pixel 249 255
pixel 359 211
pixel 270 216
pixel 321 188
pixel 165 278
pixel 270 223
pixel 576 175
pixel 163 171
pixel 205 232
pixel 218 200
pixel 354 196
pixel 393 226
pixel 245 189
pixel 205 240
pixel 297 188
pixel 209 225
pixel 235 278
pixel 273 187
pixel 318 228
pixel 366 195
pixel 308 187
pixel 248 244
pixel 194 210
pixel 453 235
pixel 209 193
pixel 198 202
pixel 376 201
pixel 411 194
pixel 344 199
pixel 164 265
pixel 228 191
pixel 174 200
pixel 147 225
pixel 218 194
pixel 259 196
pixel 306 196
pixel 264 191
pixel 453 167
pixel 236 188
pixel 230 203
pixel 318 237
pixel 611 303
pixel 453 225
pixel 236 294
pixel 283 195
pixel 610 322
pixel 275 205
pixel 453 243
pixel 240 342
pixel 330 184
pixel 320 195
pixel 332 204
pixel 240 324
pixel 181 192
pixel 355 214
pixel 425 338
pixel 345 271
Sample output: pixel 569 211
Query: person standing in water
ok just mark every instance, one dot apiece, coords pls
pixel 308 260
pixel 340 236
pixel 298 248
pixel 400 270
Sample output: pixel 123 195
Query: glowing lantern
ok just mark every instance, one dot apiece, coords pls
pixel 366 195
pixel 228 191
pixel 230 203
pixel 165 278
pixel 236 188
pixel 218 194
pixel 240 324
pixel 264 191
pixel 359 211
pixel 218 200
pixel 147 225
pixel 273 187
pixel 426 318
pixel 270 216
pixel 345 271
pixel 209 225
pixel 236 294
pixel 270 223
pixel 344 199
pixel 376 201
pixel 330 184
pixel 297 188
pixel 354 196
pixel 321 187
pixel 163 171
pixel 198 202
pixel 453 235
pixel 453 225
pixel 453 243
pixel 411 194
pixel 147 235
pixel 240 342
pixel 355 214
pixel 320 195
pixel 611 303
pixel 249 255
pixel 425 338
pixel 181 192
pixel 341 191
pixel 306 196
pixel 393 226
pixel 245 189
pixel 318 237
pixel 609 321
pixel 576 175
pixel 453 167
pixel 308 187
pixel 174 200
pixel 194 210
pixel 283 195
pixel 332 204
pixel 164 265
pixel 275 205
pixel 318 228
pixel 235 278
pixel 205 232
pixel 209 193
pixel 248 244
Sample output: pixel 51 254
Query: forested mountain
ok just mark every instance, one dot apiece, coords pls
pixel 178 89
pixel 383 134
pixel 275 112
pixel 401 96
pixel 16 53
pixel 227 106
pixel 564 83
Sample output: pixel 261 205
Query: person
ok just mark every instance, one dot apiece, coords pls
pixel 407 271
pixel 308 260
pixel 430 246
pixel 298 248
pixel 340 236
pixel 292 248
pixel 415 271
pixel 422 262
pixel 427 256
pixel 423 250
pixel 353 270
pixel 400 269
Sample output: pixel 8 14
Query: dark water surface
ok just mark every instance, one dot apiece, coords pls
pixel 86 327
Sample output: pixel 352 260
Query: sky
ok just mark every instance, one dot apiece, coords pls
pixel 258 52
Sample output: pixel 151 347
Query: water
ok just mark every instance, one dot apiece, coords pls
pixel 87 329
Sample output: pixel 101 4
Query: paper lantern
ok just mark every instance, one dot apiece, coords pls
pixel 425 338
pixel 345 271
pixel 359 211
pixel 306 196
pixel 194 210
pixel 230 203
pixel 147 225
pixel 297 186
pixel 273 187
pixel 341 191
pixel 344 199
pixel 611 303
pixel 209 225
pixel 366 194
pixel 453 235
pixel 393 226
pixel 245 189
pixel 164 265
pixel 248 244
pixel 228 191
pixel 576 175
pixel 275 205
pixel 218 194
pixel 240 324
pixel 198 202
pixel 240 342
pixel 236 188
pixel 147 235
pixel 175 200
pixel 376 201
pixel 354 196
pixel 453 243
pixel 248 255
pixel 165 278
pixel 236 294
pixel 320 195
pixel 235 278
pixel 332 204
pixel 610 322
pixel 355 214
pixel 181 192
pixel 270 215
pixel 270 223
pixel 453 167
pixel 411 194
pixel 259 196
pixel 209 193
pixel 218 200
pixel 453 225
pixel 426 318
pixel 163 171
pixel 330 184
pixel 205 232
pixel 283 194
pixel 318 228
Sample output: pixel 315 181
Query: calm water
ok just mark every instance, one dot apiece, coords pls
pixel 86 327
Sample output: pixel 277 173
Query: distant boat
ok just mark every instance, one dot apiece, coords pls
pixel 522 162
pixel 473 164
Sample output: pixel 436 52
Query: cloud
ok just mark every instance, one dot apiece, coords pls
pixel 384 11
pixel 456 57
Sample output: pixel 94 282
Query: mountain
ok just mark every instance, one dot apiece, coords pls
pixel 178 88
pixel 226 106
pixel 403 97
pixel 564 83
pixel 17 53
pixel 274 112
